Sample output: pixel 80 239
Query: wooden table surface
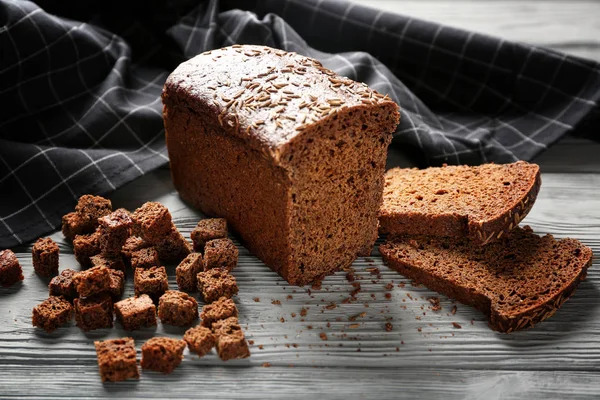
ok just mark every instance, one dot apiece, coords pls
pixel 423 356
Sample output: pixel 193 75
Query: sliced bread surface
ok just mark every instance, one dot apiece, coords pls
pixel 482 203
pixel 517 281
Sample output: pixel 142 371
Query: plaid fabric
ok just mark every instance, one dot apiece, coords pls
pixel 80 88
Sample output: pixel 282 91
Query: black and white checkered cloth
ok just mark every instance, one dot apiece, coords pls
pixel 80 86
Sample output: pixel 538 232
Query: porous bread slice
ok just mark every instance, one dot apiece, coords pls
pixel 482 203
pixel 516 281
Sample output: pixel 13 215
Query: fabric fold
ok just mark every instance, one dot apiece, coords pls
pixel 80 88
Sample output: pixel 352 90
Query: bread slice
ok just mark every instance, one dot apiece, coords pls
pixel 482 203
pixel 516 281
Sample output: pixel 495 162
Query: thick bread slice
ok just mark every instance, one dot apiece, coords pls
pixel 516 281
pixel 482 203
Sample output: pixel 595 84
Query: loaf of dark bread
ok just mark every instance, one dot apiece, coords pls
pixel 482 203
pixel 516 281
pixel 291 154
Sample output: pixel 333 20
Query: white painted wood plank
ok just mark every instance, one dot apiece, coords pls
pixel 569 155
pixel 319 383
pixel 569 26
pixel 426 340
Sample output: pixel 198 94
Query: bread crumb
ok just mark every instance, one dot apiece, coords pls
pixel 251 342
pixel 323 336
pixel 389 286
pixel 256 299
pixel 388 327
pixel 260 347
pixel 353 318
pixel 373 271
pixel 276 302
pixel 453 310
pixel 456 325
pixel 435 303
pixel 266 365
pixel 303 312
